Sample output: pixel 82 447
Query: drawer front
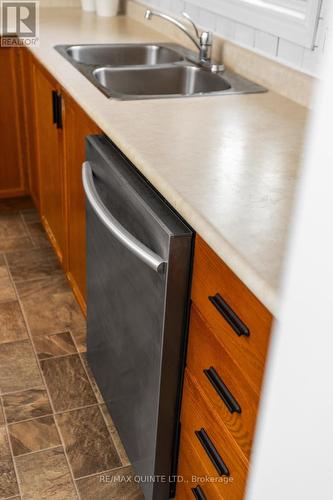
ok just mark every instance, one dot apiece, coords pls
pixel 236 316
pixel 219 454
pixel 193 483
pixel 227 390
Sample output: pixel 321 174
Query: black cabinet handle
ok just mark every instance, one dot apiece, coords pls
pixel 212 452
pixel 54 106
pixel 198 493
pixel 222 390
pixel 59 110
pixel 229 315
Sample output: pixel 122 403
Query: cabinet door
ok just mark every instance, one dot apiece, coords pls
pixel 50 162
pixel 30 125
pixel 12 140
pixel 77 125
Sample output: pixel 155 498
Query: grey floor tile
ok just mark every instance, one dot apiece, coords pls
pixel 37 234
pixel 50 306
pixel 55 344
pixel 8 481
pixel 115 436
pixel 33 435
pixel 11 226
pixel 45 475
pixel 111 485
pixel 7 291
pixel 88 443
pixel 19 369
pixel 33 264
pixel 67 382
pixel 26 404
pixel 21 242
pixel 12 326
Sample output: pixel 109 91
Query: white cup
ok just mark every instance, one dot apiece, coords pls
pixel 107 8
pixel 88 5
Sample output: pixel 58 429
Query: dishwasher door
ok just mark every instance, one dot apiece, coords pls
pixel 139 257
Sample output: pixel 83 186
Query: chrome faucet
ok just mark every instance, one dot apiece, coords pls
pixel 203 41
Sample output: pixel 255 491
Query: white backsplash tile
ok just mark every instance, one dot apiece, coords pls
pixel 207 20
pixel 225 27
pixel 165 5
pixel 244 35
pixel 290 52
pixel 177 6
pixel 311 60
pixel 266 43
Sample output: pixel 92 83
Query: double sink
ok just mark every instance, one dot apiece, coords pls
pixel 148 71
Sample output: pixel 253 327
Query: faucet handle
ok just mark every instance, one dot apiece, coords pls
pixel 190 20
pixel 206 38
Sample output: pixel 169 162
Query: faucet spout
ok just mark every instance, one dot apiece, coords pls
pixel 150 13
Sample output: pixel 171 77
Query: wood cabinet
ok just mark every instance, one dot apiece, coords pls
pixel 77 125
pixel 49 144
pixel 31 163
pixel 13 140
pixel 60 152
pixel 228 340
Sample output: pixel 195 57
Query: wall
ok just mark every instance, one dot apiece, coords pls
pixel 284 51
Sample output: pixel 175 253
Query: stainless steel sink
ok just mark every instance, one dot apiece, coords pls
pixel 166 81
pixel 123 54
pixel 151 71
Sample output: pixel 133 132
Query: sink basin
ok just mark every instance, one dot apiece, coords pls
pixel 158 81
pixel 123 55
pixel 151 71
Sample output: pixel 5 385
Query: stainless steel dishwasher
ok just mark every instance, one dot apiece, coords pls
pixel 138 271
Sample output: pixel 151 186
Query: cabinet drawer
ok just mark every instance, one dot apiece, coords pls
pixel 217 450
pixel 229 393
pixel 194 483
pixel 236 316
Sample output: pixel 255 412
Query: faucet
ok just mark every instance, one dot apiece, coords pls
pixel 203 41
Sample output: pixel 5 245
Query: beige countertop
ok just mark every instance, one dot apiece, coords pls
pixel 228 164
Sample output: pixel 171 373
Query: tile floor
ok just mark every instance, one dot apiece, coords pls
pixel 56 437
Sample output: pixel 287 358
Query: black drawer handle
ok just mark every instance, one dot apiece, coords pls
pixel 198 493
pixel 212 452
pixel 55 106
pixel 229 315
pixel 59 110
pixel 222 390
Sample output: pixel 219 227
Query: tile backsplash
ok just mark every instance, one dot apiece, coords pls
pixel 289 53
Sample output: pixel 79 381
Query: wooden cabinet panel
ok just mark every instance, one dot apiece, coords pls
pixel 50 162
pixel 210 277
pixel 30 125
pixel 197 414
pixel 12 138
pixel 77 125
pixel 240 422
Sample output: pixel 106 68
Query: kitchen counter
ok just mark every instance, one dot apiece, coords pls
pixel 228 164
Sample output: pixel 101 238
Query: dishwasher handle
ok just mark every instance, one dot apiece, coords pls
pixel 144 253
